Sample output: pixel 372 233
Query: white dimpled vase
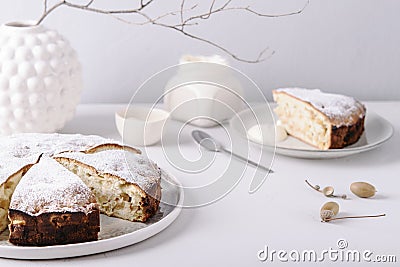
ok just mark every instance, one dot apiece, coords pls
pixel 40 79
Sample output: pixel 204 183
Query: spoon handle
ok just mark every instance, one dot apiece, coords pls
pixel 246 160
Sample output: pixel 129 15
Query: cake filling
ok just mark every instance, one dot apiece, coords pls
pixel 303 121
pixel 125 183
pixel 6 191
pixel 115 197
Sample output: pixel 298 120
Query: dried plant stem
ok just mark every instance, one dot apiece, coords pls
pixel 313 187
pixel 184 20
pixel 353 217
pixel 327 191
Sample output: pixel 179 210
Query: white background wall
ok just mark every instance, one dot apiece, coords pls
pixel 344 46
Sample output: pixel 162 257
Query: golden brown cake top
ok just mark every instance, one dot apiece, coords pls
pixel 340 109
pixel 49 187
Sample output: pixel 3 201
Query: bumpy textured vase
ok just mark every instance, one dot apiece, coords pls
pixel 40 79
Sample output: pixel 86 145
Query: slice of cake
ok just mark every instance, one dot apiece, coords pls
pixel 126 184
pixel 320 119
pixel 51 206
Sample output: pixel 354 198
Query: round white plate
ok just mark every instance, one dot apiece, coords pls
pixel 114 233
pixel 377 131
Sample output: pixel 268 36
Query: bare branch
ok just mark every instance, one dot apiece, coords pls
pixel 213 11
pixel 102 11
pixel 45 6
pixel 90 3
pixel 143 4
pixel 148 19
pixel 48 11
pixel 211 8
pixel 220 47
pixel 180 25
pixel 248 9
pixel 181 12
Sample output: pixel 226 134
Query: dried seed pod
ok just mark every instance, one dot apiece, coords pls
pixel 326 215
pixel 328 191
pixel 329 210
pixel 362 189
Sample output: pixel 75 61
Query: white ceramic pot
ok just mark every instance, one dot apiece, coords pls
pixel 40 79
pixel 204 91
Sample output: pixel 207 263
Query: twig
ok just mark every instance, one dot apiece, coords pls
pixel 48 11
pixel 316 187
pixel 248 9
pixel 211 8
pixel 45 6
pixel 181 12
pixel 90 3
pixel 177 26
pixel 353 217
pixel 257 60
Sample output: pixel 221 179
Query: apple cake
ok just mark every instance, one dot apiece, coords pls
pixel 320 119
pixel 20 151
pixel 123 183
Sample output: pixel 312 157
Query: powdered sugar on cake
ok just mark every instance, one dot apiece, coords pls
pixel 51 188
pixel 11 165
pixel 340 109
pixel 134 168
pixel 19 150
pixel 49 144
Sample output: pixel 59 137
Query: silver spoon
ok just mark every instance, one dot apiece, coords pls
pixel 209 143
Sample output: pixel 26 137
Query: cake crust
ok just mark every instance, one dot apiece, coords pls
pixel 53 228
pixel 347 135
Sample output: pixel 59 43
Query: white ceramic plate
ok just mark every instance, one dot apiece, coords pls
pixel 377 131
pixel 114 233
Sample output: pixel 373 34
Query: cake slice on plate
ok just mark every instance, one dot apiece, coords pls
pixel 126 184
pixel 51 206
pixel 323 120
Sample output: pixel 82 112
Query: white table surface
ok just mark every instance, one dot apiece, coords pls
pixel 283 214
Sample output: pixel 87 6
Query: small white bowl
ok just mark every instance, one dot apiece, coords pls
pixel 141 126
